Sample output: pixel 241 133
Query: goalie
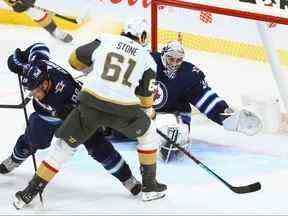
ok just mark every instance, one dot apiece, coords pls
pixel 181 84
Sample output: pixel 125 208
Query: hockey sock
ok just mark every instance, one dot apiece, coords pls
pixel 117 167
pixel 47 23
pixel 21 150
pixel 147 157
pixel 46 171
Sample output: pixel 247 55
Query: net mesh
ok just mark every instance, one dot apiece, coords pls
pixel 198 34
pixel 233 37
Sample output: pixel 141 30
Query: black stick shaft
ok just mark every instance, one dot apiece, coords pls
pixel 242 189
pixel 27 122
pixel 16 106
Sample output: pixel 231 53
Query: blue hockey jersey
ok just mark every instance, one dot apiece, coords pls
pixel 63 95
pixel 174 95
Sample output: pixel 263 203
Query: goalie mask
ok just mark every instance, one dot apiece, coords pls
pixel 137 28
pixel 172 56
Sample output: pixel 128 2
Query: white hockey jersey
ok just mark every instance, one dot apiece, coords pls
pixel 118 67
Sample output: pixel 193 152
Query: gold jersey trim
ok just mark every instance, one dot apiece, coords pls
pixel 91 92
pixel 75 62
pixel 146 101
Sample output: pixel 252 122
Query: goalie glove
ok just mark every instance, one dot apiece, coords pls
pixel 244 122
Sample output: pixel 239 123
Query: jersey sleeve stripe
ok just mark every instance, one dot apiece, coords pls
pixel 203 98
pixel 76 63
pixel 212 105
pixel 146 101
pixel 84 53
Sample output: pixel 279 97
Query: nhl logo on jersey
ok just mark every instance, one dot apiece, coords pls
pixel 160 95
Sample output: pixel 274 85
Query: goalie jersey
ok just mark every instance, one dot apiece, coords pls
pixel 188 87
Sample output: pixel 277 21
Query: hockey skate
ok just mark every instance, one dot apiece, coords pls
pixel 23 198
pixel 151 189
pixel 61 35
pixel 8 165
pixel 133 185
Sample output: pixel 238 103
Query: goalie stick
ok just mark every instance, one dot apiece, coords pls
pixel 240 189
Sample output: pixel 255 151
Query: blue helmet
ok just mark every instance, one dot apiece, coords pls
pixel 36 73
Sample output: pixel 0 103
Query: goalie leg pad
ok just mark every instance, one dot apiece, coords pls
pixel 176 130
pixel 168 123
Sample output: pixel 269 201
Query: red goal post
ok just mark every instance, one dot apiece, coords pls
pixel 241 9
pixel 225 7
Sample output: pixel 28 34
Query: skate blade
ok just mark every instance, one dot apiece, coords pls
pixel 18 203
pixel 149 196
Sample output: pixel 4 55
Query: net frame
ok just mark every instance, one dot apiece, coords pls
pixel 267 15
pixel 241 10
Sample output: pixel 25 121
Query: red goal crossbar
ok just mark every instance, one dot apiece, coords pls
pixel 210 8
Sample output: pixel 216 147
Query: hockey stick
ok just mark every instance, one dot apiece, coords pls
pixel 26 119
pixel 28 98
pixel 72 20
pixel 16 106
pixel 240 190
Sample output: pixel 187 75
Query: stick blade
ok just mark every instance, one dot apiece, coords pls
pixel 247 189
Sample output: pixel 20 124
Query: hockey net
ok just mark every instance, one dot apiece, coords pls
pixel 239 44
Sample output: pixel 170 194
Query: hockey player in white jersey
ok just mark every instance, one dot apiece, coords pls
pixel 181 84
pixel 118 92
pixel 44 19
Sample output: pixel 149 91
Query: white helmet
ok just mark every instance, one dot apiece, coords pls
pixel 172 57
pixel 137 27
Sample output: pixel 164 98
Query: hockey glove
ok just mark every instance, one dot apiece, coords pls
pixel 17 62
pixel 244 122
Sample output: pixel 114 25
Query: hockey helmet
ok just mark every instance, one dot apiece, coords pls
pixel 138 28
pixel 36 74
pixel 172 56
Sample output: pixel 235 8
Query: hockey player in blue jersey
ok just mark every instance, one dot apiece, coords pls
pixel 181 84
pixel 55 94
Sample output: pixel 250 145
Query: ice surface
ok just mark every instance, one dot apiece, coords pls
pixel 84 187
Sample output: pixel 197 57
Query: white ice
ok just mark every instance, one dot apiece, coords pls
pixel 83 186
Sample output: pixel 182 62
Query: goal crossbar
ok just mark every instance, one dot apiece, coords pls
pixel 225 7
pixel 236 9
